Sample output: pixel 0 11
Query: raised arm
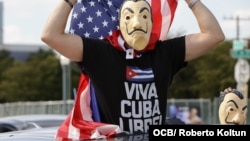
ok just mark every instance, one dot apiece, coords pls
pixel 210 31
pixel 54 34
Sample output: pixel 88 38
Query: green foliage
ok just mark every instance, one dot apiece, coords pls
pixel 5 61
pixel 40 77
pixel 206 76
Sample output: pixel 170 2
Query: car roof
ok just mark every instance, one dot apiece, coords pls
pixel 21 122
pixel 34 117
pixel 48 134
pixel 41 134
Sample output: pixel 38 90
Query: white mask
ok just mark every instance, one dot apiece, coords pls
pixel 136 23
pixel 233 110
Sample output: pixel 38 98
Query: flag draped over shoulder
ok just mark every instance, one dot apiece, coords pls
pixel 98 19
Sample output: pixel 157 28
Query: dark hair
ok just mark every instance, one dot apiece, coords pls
pixel 234 91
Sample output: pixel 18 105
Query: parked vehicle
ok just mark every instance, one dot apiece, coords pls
pixel 24 122
pixel 48 134
pixel 37 134
pixel 44 127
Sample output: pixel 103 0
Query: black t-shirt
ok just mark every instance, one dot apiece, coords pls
pixel 132 93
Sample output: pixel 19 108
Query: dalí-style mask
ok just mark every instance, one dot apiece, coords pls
pixel 136 23
pixel 233 108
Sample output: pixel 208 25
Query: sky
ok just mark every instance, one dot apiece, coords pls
pixel 23 20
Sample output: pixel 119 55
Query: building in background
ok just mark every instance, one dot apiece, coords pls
pixel 21 52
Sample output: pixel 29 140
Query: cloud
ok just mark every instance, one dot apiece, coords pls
pixel 13 34
pixel 24 20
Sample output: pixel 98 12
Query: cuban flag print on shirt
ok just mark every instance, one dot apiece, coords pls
pixel 135 74
pixel 98 19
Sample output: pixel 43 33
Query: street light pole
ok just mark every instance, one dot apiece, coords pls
pixel 242 68
pixel 237 19
pixel 65 63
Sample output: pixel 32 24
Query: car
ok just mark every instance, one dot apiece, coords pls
pixel 24 122
pixel 36 134
pixel 48 134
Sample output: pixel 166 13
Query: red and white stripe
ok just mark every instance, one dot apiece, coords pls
pixel 79 124
pixel 163 15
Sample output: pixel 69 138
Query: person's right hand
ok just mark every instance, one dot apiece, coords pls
pixel 229 89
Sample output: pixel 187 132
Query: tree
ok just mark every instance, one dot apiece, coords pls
pixel 5 62
pixel 207 76
pixel 37 79
pixel 40 78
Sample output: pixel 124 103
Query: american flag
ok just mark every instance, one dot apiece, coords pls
pixel 98 19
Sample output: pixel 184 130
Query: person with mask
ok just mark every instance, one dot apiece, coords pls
pixel 232 107
pixel 131 70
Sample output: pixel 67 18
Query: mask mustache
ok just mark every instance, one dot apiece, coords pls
pixel 129 33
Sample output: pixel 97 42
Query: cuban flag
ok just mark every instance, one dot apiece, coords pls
pixel 135 74
pixel 98 19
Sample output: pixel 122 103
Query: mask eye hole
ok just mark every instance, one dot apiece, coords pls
pixel 127 17
pixel 145 17
pixel 231 109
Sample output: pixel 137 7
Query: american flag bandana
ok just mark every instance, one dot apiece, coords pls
pixel 99 19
